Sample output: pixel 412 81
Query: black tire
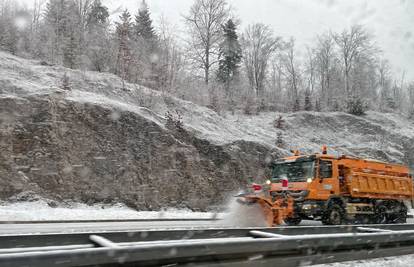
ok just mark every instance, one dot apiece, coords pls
pixel 400 216
pixel 293 221
pixel 381 216
pixel 334 215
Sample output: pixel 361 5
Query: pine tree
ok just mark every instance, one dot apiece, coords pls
pixel 123 33
pixel 70 51
pixel 8 36
pixel 147 48
pixel 356 106
pixel 9 32
pixel 308 102
pixel 97 16
pixel 230 55
pixel 296 105
pixel 97 39
pixel 279 139
pixel 62 33
pixel 143 24
pixel 57 19
pixel 65 82
pixel 56 15
pixel 279 122
pixel 318 107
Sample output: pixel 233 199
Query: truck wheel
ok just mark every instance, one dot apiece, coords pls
pixel 293 221
pixel 400 216
pixel 381 216
pixel 334 215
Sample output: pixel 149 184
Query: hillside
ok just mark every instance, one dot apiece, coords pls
pixel 103 141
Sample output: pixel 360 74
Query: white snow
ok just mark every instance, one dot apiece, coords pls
pixel 41 211
pixel 400 261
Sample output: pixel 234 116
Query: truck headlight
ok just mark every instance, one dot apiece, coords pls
pixel 309 180
pixel 307 207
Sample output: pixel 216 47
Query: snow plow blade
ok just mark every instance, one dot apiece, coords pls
pixel 275 212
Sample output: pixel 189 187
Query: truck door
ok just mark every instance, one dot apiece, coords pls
pixel 328 179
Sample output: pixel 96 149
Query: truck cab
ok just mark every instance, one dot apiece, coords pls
pixel 309 177
pixel 312 180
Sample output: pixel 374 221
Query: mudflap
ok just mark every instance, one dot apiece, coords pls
pixel 274 212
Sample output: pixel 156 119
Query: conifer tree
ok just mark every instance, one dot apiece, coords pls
pixel 356 106
pixel 61 32
pixel 296 105
pixel 147 48
pixel 70 51
pixel 230 55
pixel 56 21
pixel 65 82
pixel 308 102
pixel 98 41
pixel 279 122
pixel 123 34
pixel 318 107
pixel 279 139
pixel 8 36
pixel 98 16
pixel 143 24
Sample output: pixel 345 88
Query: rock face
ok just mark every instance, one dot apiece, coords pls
pixel 105 141
pixel 84 152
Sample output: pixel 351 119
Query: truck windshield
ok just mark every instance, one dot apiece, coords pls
pixel 294 171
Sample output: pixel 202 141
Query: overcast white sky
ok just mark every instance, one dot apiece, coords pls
pixel 391 21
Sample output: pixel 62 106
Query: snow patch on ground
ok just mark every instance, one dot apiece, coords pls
pixel 400 261
pixel 41 211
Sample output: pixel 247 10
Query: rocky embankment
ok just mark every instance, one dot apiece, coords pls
pixel 103 141
pixel 62 149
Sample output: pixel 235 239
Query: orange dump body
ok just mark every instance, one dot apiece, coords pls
pixel 370 179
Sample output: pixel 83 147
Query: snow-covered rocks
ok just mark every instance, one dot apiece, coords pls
pixel 106 141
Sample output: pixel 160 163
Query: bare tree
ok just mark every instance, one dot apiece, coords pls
pixel 384 83
pixel 397 90
pixel 204 24
pixel 325 57
pixel 259 44
pixel 171 58
pixel 292 72
pixel 82 11
pixel 352 44
pixel 410 100
pixel 275 80
pixel 36 15
pixel 310 65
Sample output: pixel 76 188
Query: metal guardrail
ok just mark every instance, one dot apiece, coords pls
pixel 282 247
pixel 42 240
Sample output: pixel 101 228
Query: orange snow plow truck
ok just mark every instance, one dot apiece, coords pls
pixel 334 190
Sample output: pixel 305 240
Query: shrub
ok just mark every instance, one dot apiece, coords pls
pixel 174 121
pixel 356 106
